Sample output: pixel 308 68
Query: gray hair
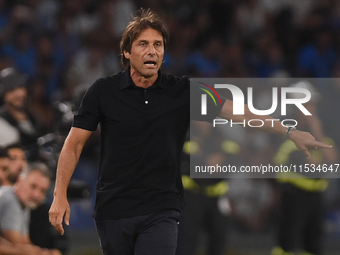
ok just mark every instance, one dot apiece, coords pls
pixel 40 167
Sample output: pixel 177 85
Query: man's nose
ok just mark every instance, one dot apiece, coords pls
pixel 38 195
pixel 151 49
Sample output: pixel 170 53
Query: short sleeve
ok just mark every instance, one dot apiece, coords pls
pixel 88 115
pixel 11 217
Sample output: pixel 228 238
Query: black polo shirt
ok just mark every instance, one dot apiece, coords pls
pixel 142 135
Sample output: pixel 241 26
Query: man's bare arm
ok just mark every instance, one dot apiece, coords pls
pixel 7 248
pixel 69 157
pixel 303 140
pixel 15 237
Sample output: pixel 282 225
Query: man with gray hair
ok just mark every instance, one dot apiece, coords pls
pixel 17 201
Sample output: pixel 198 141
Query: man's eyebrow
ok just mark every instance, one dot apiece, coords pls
pixel 145 40
pixel 142 40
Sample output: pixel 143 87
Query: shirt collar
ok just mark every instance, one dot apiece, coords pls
pixel 126 81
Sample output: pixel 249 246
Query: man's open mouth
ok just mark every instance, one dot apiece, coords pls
pixel 150 62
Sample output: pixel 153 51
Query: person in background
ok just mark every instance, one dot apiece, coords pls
pixel 13 162
pixel 17 201
pixel 4 164
pixel 302 208
pixel 203 213
pixel 7 248
pixel 14 112
pixel 17 163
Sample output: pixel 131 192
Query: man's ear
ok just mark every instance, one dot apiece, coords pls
pixel 127 55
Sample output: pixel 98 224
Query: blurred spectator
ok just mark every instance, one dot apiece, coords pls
pixel 261 52
pixel 208 62
pixel 41 231
pixel 4 164
pixel 302 208
pixel 14 94
pixel 50 63
pixel 174 56
pixel 4 17
pixel 20 16
pixel 235 61
pixel 252 202
pixel 47 11
pixel 272 62
pixel 21 49
pixel 89 62
pixel 39 104
pixel 318 59
pixel 121 11
pixel 17 164
pixel 252 16
pixel 16 202
pixel 202 212
pixel 66 43
pixel 81 16
pixel 8 135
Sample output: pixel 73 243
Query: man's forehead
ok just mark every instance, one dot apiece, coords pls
pixel 37 178
pixel 16 152
pixel 149 34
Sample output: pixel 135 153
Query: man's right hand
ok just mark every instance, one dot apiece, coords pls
pixel 68 159
pixel 59 211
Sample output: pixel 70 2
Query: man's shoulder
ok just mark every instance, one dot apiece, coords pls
pixel 105 84
pixel 112 79
pixel 169 80
pixel 7 195
pixel 5 190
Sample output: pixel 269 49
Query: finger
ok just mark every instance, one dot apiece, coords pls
pixel 56 222
pixel 67 217
pixel 306 152
pixel 59 225
pixel 59 228
pixel 323 145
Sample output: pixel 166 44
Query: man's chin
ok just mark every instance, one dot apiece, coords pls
pixel 150 73
pixel 12 178
pixel 32 205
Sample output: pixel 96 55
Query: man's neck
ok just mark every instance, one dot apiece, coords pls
pixel 141 81
pixel 7 183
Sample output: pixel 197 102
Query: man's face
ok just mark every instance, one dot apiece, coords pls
pixel 31 190
pixel 147 53
pixel 4 165
pixel 17 163
pixel 16 98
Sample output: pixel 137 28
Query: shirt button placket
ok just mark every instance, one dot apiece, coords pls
pixel 146 101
